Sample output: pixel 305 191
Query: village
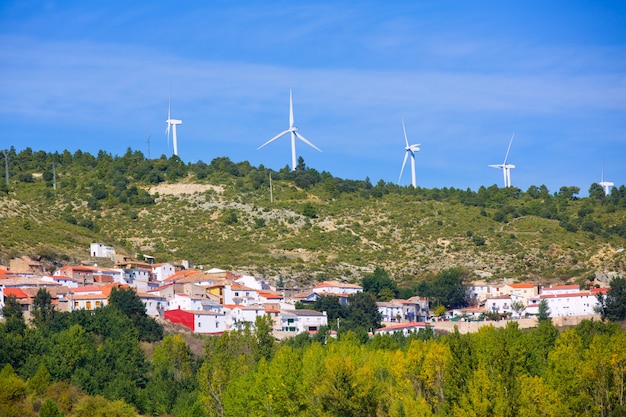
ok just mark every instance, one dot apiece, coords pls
pixel 213 301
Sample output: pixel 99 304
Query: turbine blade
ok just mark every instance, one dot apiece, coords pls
pixel 404 130
pixel 508 149
pixel 274 138
pixel 303 139
pixel 290 109
pixel 406 155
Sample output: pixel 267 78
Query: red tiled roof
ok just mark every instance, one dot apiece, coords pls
pixel 15 292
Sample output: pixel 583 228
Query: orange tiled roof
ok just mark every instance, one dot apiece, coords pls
pixel 522 285
pixel 239 287
pixel 338 284
pixel 181 274
pixel 270 295
pixel 15 292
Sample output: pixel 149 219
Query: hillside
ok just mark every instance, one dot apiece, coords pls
pixel 317 226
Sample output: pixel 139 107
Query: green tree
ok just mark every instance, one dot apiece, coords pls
pixel 362 313
pixel 172 375
pixel 128 302
pixel 543 313
pixel 333 308
pixel 50 409
pixel 12 394
pixel 615 301
pixel 446 288
pixel 13 316
pixel 43 310
pixel 518 307
pixel 265 342
pixel 375 283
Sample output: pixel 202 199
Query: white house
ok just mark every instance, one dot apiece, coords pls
pixel 404 328
pixel 500 304
pixel 136 278
pixel 155 304
pixel 69 282
pixel 99 250
pixel 573 304
pixel 478 291
pixel 390 311
pixel 560 289
pixel 252 282
pixel 242 316
pixel 299 321
pixel 336 288
pixel 162 271
pixel 205 322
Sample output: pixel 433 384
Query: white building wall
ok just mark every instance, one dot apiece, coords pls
pixel 99 250
pixel 163 271
pixel 250 282
pixel 574 305
pixel 209 323
pixel 155 306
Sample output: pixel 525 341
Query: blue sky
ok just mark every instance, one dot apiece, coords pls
pixel 464 76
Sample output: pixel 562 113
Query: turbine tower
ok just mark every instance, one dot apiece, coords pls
pixel 506 168
pixel 605 184
pixel 294 134
pixel 410 149
pixel 172 123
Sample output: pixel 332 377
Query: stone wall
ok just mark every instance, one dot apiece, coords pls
pixel 473 326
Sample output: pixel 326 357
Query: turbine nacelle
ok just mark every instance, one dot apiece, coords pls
pixel 413 148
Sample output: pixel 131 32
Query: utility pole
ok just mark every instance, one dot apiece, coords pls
pixel 6 165
pixel 54 176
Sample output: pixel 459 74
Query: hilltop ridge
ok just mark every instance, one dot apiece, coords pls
pixel 311 227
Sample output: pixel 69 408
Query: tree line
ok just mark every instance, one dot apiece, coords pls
pixel 111 362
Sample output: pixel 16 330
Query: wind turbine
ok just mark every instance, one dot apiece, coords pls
pixel 172 123
pixel 605 184
pixel 506 168
pixel 410 149
pixel 294 133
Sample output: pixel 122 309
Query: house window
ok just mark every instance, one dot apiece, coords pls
pixel 236 294
pixel 98 303
pixel 75 303
pixel 88 305
pixel 199 324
